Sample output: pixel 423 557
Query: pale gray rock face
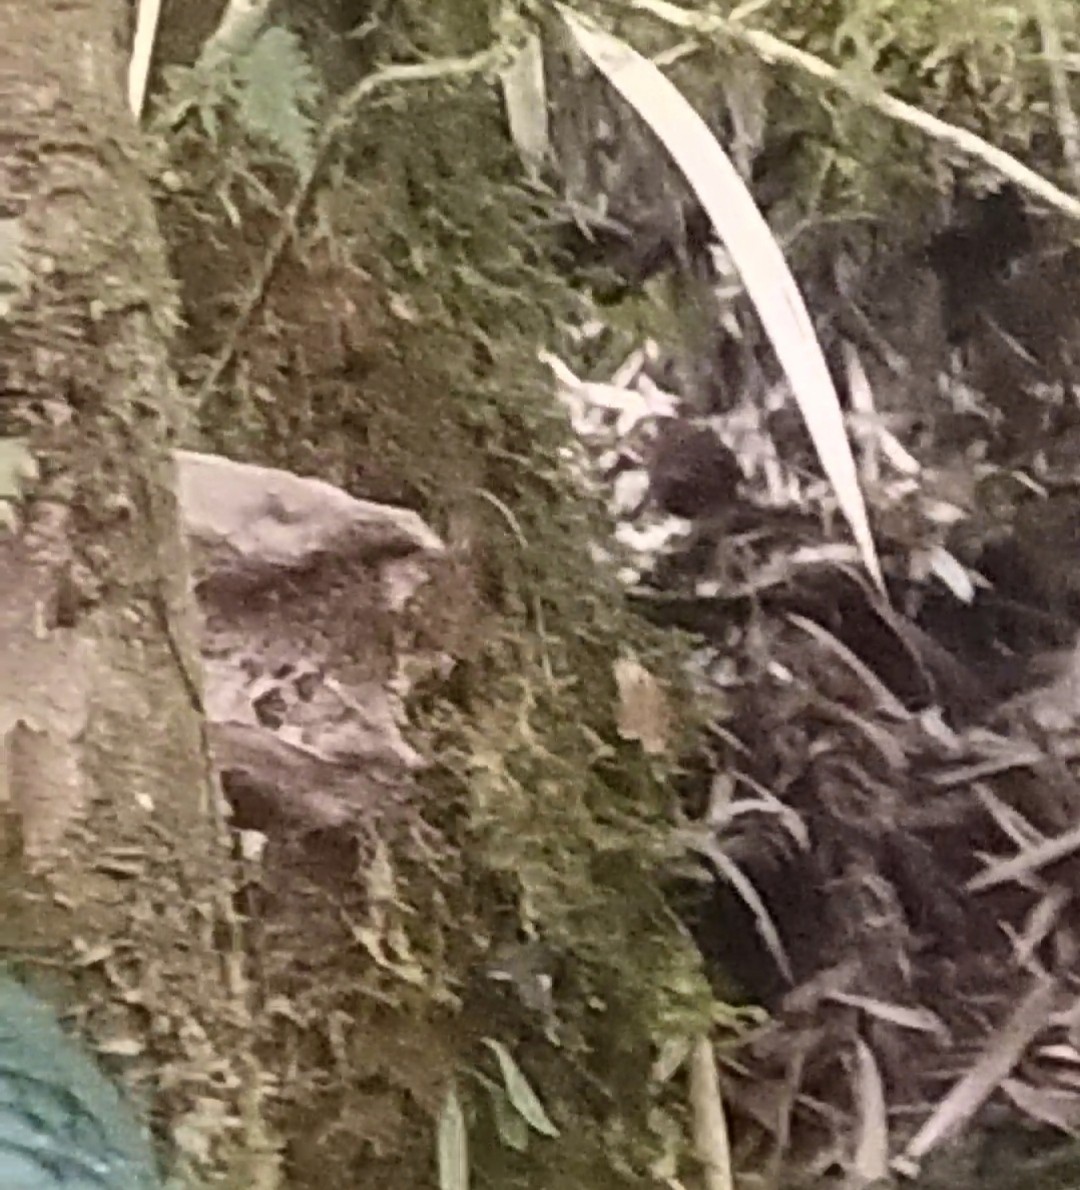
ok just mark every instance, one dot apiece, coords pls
pixel 246 520
pixel 305 595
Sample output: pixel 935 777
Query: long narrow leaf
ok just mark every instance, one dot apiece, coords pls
pixel 754 251
pixel 525 1100
pixel 453 1145
pixel 870 1164
pixel 525 95
pixel 710 1122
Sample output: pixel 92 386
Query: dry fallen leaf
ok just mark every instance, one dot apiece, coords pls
pixel 871 1160
pixel 1001 1053
pixel 710 1120
pixel 643 712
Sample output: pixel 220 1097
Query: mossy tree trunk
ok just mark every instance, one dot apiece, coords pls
pixel 115 875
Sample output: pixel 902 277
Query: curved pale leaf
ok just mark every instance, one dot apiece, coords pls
pixel 453 1145
pixel 522 1096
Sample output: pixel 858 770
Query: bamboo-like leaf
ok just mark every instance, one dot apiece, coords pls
pixel 734 875
pixel 525 94
pixel 710 1121
pixel 147 19
pixel 522 1096
pixel 871 1161
pixel 1000 1054
pixel 512 1129
pixel 453 1145
pixel 753 250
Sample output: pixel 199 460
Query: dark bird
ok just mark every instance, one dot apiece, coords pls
pixel 692 474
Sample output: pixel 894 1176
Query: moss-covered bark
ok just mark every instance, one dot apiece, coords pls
pixel 119 899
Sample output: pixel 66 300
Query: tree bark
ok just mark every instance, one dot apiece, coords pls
pixel 116 880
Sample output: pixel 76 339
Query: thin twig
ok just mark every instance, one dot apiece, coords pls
pixel 1033 859
pixel 773 49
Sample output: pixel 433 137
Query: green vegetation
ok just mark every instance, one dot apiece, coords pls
pixel 394 351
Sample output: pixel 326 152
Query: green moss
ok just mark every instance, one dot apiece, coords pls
pixel 437 398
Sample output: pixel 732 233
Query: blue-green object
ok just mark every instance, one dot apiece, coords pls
pixel 63 1124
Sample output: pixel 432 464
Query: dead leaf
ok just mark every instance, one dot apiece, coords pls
pixel 990 1070
pixel 710 1121
pixel 644 713
pixel 871 1161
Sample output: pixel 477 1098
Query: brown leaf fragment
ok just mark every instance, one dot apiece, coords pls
pixel 643 712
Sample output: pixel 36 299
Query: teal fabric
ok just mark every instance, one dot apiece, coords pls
pixel 63 1124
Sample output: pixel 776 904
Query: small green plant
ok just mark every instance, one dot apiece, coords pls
pixel 517 1111
pixel 268 88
